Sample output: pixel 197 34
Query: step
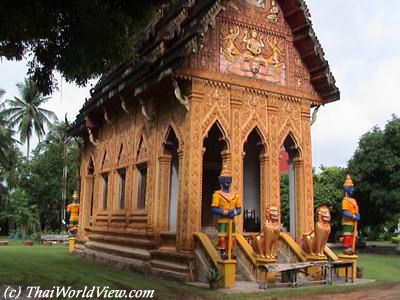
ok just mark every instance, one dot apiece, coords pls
pixel 171 274
pixel 121 240
pixel 115 261
pixel 128 252
pixel 170 266
pixel 172 256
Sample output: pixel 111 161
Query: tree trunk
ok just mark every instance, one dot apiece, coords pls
pixel 27 148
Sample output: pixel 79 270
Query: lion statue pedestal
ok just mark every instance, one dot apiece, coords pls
pixel 313 243
pixel 266 242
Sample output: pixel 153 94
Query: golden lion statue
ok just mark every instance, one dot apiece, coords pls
pixel 266 242
pixel 313 243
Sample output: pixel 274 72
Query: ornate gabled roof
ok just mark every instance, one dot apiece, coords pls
pixel 179 29
pixel 297 16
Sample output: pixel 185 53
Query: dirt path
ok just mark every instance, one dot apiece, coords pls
pixel 389 292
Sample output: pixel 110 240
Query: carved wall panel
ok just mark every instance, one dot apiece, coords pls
pixel 250 52
pixel 215 106
pixel 264 14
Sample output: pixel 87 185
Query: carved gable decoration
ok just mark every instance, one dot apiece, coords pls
pixel 251 48
pixel 122 154
pixel 142 151
pixel 105 160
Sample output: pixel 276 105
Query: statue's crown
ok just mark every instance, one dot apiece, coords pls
pixel 225 172
pixel 348 181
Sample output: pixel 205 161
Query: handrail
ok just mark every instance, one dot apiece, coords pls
pixel 246 256
pixel 209 248
pixel 331 255
pixel 247 249
pixel 293 245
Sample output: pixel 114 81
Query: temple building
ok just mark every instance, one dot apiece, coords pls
pixel 218 83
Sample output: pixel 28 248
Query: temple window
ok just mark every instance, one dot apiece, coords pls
pixel 104 188
pixel 141 184
pixel 121 188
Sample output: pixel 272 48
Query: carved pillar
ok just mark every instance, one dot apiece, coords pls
pixel 163 192
pixel 274 145
pixel 87 200
pixel 236 147
pixel 192 172
pixel 307 173
pixel 95 197
pixel 264 185
pixel 299 197
pixel 181 199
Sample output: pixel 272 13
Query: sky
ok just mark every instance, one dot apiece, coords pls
pixel 361 41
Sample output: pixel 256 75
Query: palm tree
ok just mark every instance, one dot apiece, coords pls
pixel 26 113
pixel 5 134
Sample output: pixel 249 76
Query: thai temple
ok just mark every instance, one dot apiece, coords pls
pixel 221 88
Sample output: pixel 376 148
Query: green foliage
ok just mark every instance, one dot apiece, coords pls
pixel 24 214
pixel 6 133
pixel 328 190
pixel 9 179
pixel 213 274
pixel 80 39
pixel 25 112
pixel 395 239
pixel 285 219
pixel 44 173
pixel 375 169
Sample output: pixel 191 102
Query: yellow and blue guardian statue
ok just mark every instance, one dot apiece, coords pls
pixel 350 217
pixel 226 205
pixel 73 215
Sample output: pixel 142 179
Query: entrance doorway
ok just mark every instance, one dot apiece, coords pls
pixel 288 153
pixel 251 183
pixel 213 145
pixel 171 148
pixel 90 182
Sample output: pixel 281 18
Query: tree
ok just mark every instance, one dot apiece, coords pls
pixel 26 113
pixel 328 190
pixel 5 134
pixel 24 213
pixel 375 169
pixel 285 212
pixel 9 180
pixel 43 178
pixel 80 39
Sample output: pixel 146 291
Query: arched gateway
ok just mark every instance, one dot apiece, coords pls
pixel 218 83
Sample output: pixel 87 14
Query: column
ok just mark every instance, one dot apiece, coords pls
pixel 163 192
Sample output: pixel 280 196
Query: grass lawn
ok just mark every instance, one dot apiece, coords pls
pixel 54 266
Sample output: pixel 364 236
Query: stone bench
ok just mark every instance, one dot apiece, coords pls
pixel 335 265
pixel 292 270
pixel 3 243
pixel 53 238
